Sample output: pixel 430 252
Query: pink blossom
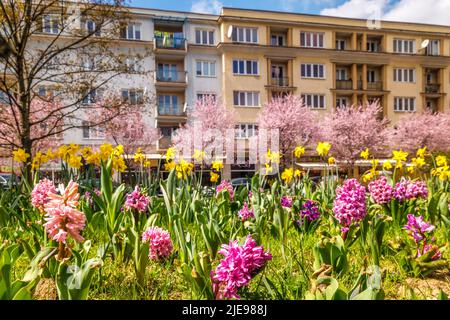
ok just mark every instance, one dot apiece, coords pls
pixel 137 200
pixel 406 189
pixel 245 213
pixel 160 243
pixel 63 220
pixel 381 191
pixel 225 185
pixel 350 203
pixel 239 265
pixel 39 195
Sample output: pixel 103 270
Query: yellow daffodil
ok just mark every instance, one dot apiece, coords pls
pixel 269 169
pixel 62 152
pixel 38 160
pixel 418 162
pixel 199 155
pixel 147 164
pixel 298 173
pixel 214 177
pixel 374 163
pixel 365 154
pixel 421 152
pixel 171 153
pixel 411 169
pixel 442 172
pixel 273 157
pixel 105 151
pixel 323 148
pixel 20 155
pixel 299 151
pixel 441 161
pixel 287 175
pixel 399 155
pixel 184 169
pixel 217 165
pixel 50 154
pixel 331 161
pixel 118 151
pixel 74 162
pixel 169 166
pixel 139 157
pixel 368 176
pixel 387 165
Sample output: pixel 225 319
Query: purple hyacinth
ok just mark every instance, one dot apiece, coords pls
pixel 225 185
pixel 350 203
pixel 286 201
pixel 245 213
pixel 407 190
pixel 310 210
pixel 137 200
pixel 381 191
pixel 418 228
pixel 238 266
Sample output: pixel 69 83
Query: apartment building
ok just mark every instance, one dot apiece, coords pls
pixel 247 57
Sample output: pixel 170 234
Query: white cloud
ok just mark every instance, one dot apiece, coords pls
pixel 425 11
pixel 207 6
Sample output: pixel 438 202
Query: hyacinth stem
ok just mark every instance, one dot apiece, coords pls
pixel 61 251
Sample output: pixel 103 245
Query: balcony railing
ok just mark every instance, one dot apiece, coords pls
pixel 344 84
pixel 432 88
pixel 375 85
pixel 170 43
pixel 177 110
pixel 279 81
pixel 171 76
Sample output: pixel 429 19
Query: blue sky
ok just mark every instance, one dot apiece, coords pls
pixel 422 11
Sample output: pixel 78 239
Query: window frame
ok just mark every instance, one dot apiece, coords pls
pixel 400 104
pixel 243 64
pixel 311 67
pixel 243 33
pixel 209 33
pixel 321 100
pixel 202 64
pixel 238 94
pixel 308 38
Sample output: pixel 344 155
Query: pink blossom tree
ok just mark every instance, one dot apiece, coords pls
pixel 208 122
pixel 297 124
pixel 427 129
pixel 352 129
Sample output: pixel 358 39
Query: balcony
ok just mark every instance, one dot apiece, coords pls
pixel 280 81
pixel 433 88
pixel 344 84
pixel 170 43
pixel 375 86
pixel 170 114
pixel 176 80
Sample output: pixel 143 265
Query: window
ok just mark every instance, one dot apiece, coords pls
pixel 373 46
pixel 404 104
pixel 246 98
pixel 133 96
pixel 277 39
pixel 314 71
pixel 245 67
pixel 311 39
pixel 241 34
pixel 341 102
pixel 51 24
pixel 371 76
pixel 202 96
pixel 341 74
pixel 404 75
pixel 206 68
pixel 404 46
pixel 131 32
pixel 167 72
pixel 245 130
pixel 433 48
pixel 340 44
pixel 91 27
pixel 314 101
pixel 203 36
pixel 91 97
pixel 92 132
pixel 168 105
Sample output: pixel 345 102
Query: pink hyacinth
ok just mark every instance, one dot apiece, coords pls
pixel 137 200
pixel 239 265
pixel 67 196
pixel 160 243
pixel 350 203
pixel 245 213
pixel 225 185
pixel 63 220
pixel 407 190
pixel 418 228
pixel 286 201
pixel 39 195
pixel 381 191
pixel 430 247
